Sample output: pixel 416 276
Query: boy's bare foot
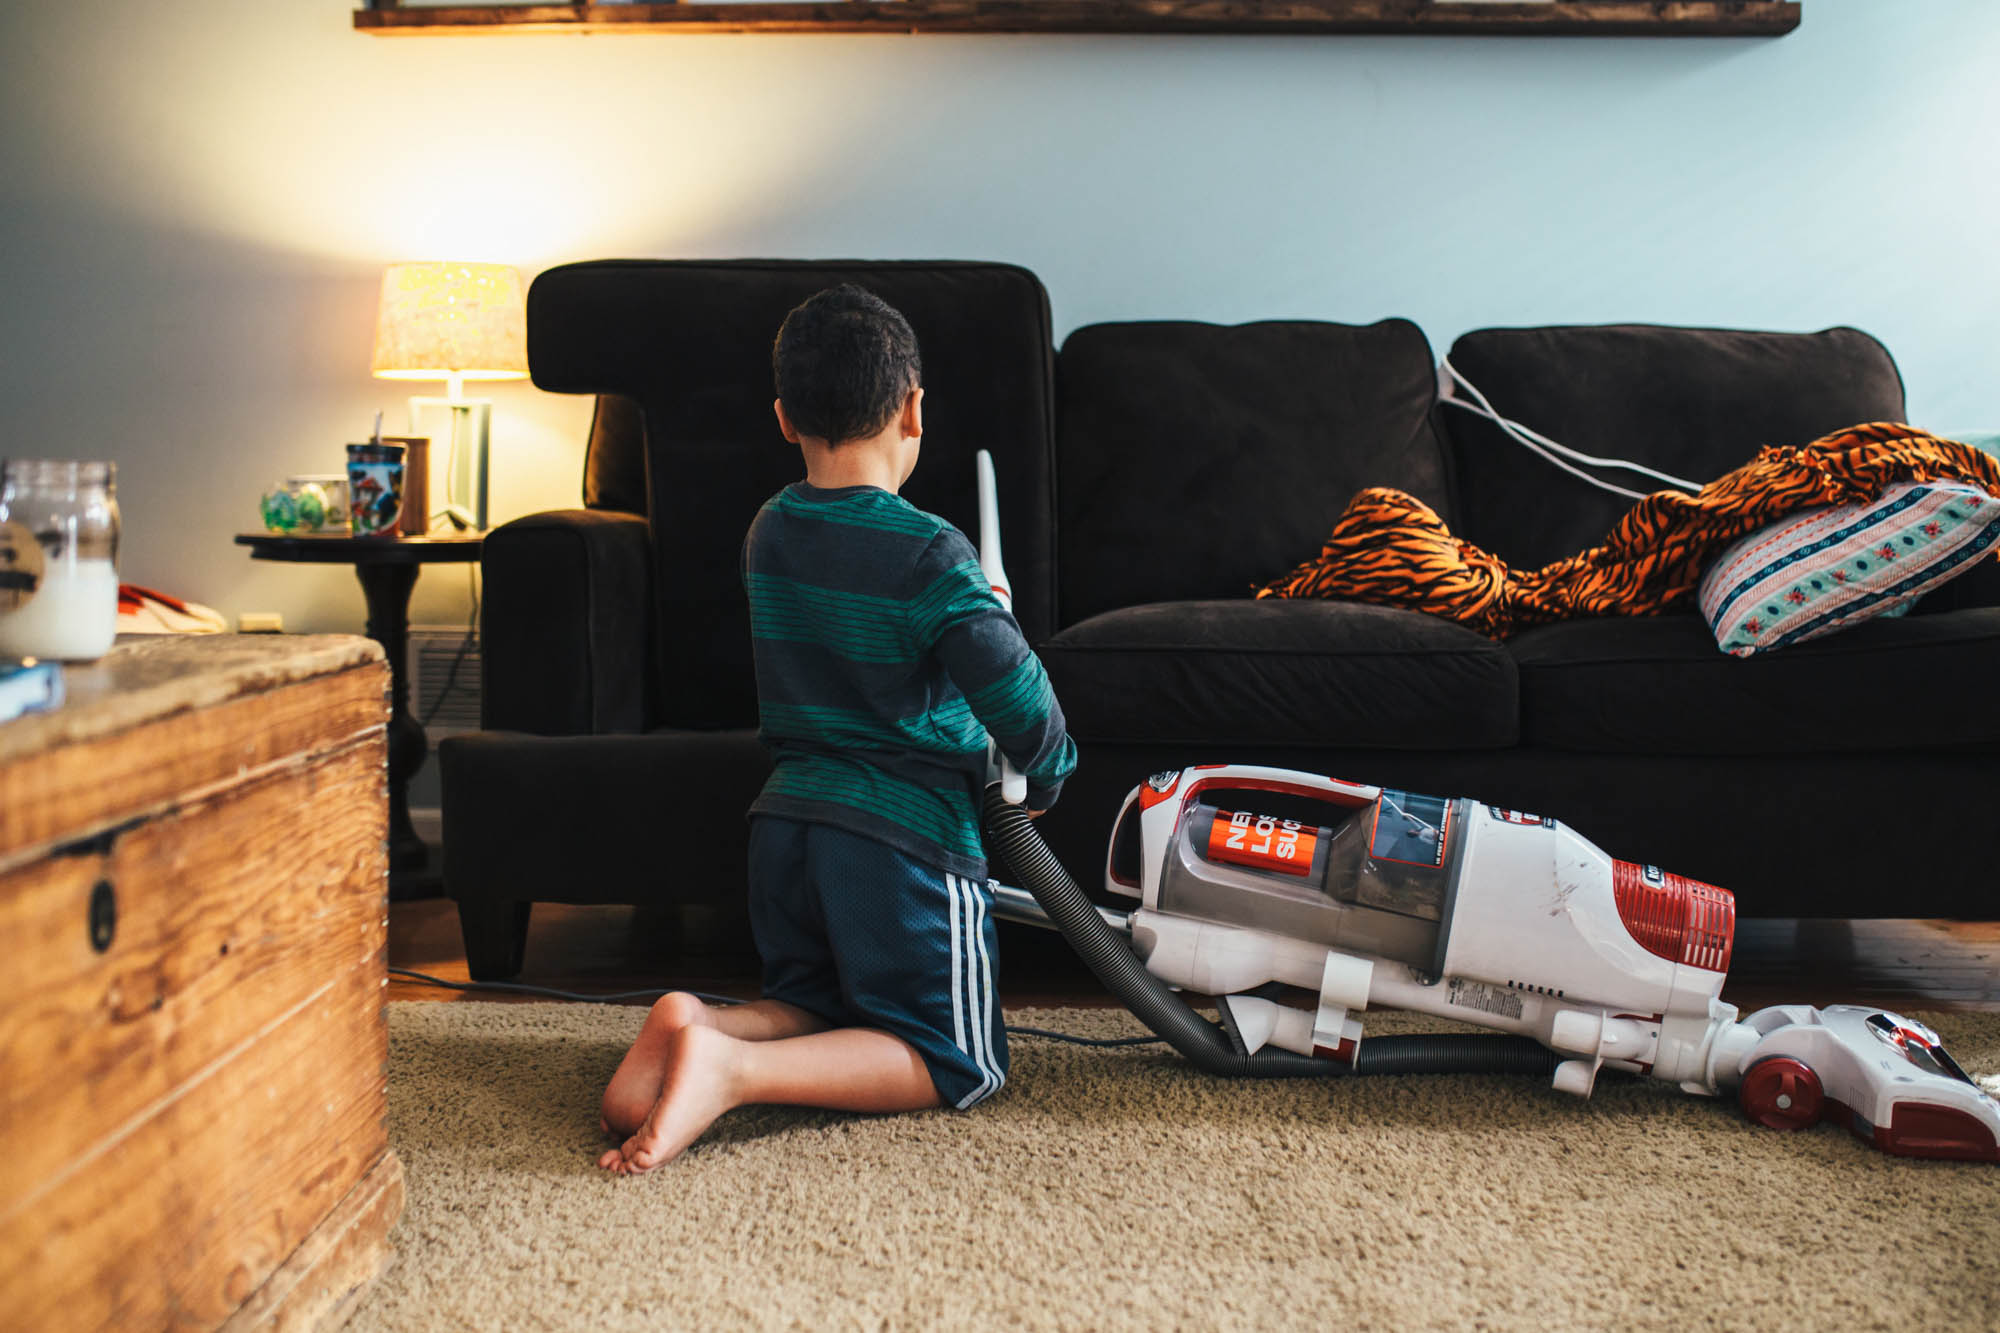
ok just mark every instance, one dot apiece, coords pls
pixel 700 1085
pixel 642 1073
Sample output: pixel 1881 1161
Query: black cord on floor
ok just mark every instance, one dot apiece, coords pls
pixel 1013 1031
pixel 524 989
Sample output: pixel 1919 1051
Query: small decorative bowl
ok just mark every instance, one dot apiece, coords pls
pixel 316 503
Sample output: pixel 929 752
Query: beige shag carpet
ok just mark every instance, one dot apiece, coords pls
pixel 1119 1189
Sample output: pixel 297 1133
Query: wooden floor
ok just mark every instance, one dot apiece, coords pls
pixel 1906 964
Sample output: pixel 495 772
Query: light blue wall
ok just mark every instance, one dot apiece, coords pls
pixel 197 198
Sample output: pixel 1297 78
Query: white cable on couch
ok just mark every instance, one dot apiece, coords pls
pixel 1546 448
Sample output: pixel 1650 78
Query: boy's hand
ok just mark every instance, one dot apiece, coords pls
pixel 1036 814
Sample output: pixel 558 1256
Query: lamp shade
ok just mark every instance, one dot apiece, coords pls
pixel 440 321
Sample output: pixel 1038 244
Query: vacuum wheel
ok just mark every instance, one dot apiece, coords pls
pixel 1781 1093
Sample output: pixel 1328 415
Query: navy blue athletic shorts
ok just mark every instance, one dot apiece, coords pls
pixel 852 930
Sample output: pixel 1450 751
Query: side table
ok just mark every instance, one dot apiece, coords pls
pixel 387 568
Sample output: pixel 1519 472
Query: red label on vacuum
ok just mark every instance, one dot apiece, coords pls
pixel 1681 920
pixel 1263 842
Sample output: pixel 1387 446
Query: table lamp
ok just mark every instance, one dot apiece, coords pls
pixel 454 322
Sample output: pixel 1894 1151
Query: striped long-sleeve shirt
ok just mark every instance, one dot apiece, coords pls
pixel 884 661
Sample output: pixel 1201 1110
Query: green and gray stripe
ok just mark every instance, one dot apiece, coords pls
pixel 855 625
pixel 946 818
pixel 862 510
pixel 882 659
pixel 950 726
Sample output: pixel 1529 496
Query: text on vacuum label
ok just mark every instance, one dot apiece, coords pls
pixel 1261 841
pixel 1488 999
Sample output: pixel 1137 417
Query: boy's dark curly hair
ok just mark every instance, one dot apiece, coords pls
pixel 844 361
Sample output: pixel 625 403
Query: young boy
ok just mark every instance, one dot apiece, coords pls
pixel 883 661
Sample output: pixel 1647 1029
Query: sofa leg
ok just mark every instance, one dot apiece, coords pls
pixel 496 938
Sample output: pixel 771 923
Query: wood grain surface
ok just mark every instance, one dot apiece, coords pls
pixel 148 677
pixel 182 1216
pixel 331 1270
pixel 193 906
pixel 78 789
pixel 231 913
pixel 1551 18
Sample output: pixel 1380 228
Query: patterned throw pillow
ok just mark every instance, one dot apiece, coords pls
pixel 1824 569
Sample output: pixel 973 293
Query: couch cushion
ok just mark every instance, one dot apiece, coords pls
pixel 1196 460
pixel 1282 673
pixel 1693 403
pixel 1658 685
pixel 690 342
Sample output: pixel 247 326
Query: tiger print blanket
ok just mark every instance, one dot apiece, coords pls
pixel 1390 548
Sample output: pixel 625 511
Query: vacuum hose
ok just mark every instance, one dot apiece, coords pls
pixel 1011 833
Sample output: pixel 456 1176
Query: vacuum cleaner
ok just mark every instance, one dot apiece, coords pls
pixel 1297 901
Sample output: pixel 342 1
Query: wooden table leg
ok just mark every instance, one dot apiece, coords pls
pixel 387 588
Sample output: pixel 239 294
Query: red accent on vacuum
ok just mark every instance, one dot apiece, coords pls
pixel 1679 919
pixel 1781 1093
pixel 1918 1129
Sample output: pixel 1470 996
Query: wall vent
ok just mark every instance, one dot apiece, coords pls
pixel 445 702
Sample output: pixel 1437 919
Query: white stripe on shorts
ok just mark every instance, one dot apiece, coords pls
pixel 978 989
pixel 957 968
pixel 990 998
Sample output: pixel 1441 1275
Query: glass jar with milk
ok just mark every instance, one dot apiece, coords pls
pixel 58 559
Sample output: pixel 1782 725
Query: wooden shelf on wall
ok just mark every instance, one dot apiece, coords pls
pixel 1457 18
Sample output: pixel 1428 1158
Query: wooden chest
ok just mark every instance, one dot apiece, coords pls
pixel 193 898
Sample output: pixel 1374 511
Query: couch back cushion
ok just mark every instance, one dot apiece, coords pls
pixel 1692 403
pixel 690 343
pixel 1198 460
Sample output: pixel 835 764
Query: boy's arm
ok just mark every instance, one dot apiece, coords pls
pixel 983 650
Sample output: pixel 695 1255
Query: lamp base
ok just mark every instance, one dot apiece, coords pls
pixel 465 462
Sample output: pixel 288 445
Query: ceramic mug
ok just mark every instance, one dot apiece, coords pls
pixel 375 488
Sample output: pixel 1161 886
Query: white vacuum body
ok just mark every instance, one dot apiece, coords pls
pixel 1300 901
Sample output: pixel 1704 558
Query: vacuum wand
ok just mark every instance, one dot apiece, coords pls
pixel 1013 783
pixel 1018 905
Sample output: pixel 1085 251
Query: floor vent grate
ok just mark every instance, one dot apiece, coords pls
pixel 446 702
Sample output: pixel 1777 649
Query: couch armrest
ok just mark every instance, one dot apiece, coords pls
pixel 566 630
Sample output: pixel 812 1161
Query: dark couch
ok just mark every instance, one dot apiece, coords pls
pixel 1150 474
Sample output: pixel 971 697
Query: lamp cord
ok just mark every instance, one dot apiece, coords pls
pixel 471 638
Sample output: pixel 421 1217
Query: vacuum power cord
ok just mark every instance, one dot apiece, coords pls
pixel 1546 448
pixel 524 989
pixel 723 1000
